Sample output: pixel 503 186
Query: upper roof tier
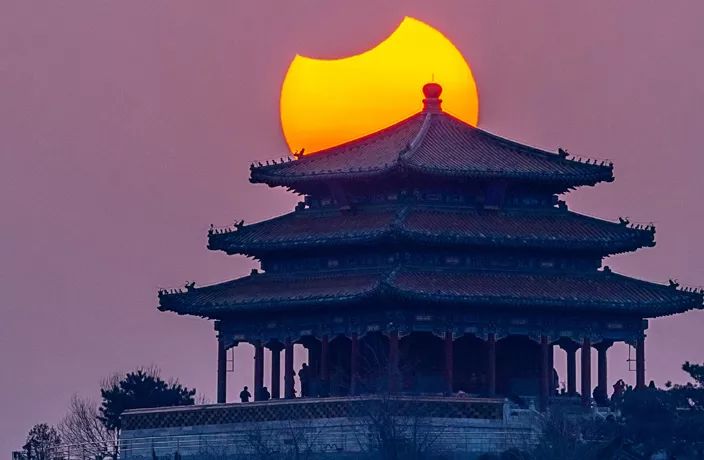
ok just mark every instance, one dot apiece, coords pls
pixel 434 143
pixel 526 291
pixel 551 229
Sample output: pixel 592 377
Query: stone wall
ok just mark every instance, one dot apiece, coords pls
pixel 442 430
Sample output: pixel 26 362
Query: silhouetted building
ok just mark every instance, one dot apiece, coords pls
pixel 428 258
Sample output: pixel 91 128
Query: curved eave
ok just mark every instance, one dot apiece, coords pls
pixel 604 292
pixel 562 182
pixel 179 304
pixel 396 232
pixel 259 176
pixel 602 249
pixel 565 305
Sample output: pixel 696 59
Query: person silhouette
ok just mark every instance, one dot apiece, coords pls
pixel 265 394
pixel 245 395
pixel 304 376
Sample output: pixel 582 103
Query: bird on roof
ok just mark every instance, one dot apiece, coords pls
pixel 298 155
pixel 562 152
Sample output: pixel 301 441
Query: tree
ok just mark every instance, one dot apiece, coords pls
pixel 42 442
pixel 140 389
pixel 695 371
pixel 82 428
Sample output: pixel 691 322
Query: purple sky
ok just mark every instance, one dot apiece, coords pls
pixel 126 128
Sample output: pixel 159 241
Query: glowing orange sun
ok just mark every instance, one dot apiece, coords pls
pixel 328 102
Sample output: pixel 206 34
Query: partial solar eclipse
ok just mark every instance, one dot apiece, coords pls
pixel 328 102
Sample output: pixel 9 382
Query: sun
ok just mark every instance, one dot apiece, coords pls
pixel 328 102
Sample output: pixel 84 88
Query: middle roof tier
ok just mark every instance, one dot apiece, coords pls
pixel 553 228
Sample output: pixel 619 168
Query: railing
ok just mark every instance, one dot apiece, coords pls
pixel 313 408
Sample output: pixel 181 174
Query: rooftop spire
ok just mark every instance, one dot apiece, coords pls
pixel 432 102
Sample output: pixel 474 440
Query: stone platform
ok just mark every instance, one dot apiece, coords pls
pixel 319 428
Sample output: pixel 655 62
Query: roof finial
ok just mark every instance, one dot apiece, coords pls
pixel 432 102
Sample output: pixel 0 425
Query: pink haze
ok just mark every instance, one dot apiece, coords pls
pixel 126 128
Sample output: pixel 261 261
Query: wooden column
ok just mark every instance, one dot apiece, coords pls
pixel 602 369
pixel 586 372
pixel 275 371
pixel 640 362
pixel 545 372
pixel 491 367
pixel 314 359
pixel 258 370
pixel 324 364
pixel 394 374
pixel 551 368
pixel 354 363
pixel 448 362
pixel 289 380
pixel 571 369
pixel 222 373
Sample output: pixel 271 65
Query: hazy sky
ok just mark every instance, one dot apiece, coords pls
pixel 127 127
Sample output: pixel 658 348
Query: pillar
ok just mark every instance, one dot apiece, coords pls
pixel 222 373
pixel 394 374
pixel 354 364
pixel 491 367
pixel 545 372
pixel 551 368
pixel 314 358
pixel 448 362
pixel 640 362
pixel 586 372
pixel 275 371
pixel 602 369
pixel 324 359
pixel 571 351
pixel 258 370
pixel 289 391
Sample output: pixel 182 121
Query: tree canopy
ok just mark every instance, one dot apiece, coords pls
pixel 42 441
pixel 140 389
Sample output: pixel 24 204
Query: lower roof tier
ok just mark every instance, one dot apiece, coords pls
pixel 544 229
pixel 595 292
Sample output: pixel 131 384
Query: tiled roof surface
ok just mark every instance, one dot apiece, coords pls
pixel 548 228
pixel 370 154
pixel 451 146
pixel 434 143
pixel 598 291
pixel 265 289
pixel 606 291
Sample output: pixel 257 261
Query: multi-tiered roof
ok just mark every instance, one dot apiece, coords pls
pixel 437 212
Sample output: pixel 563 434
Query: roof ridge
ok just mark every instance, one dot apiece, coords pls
pixel 418 139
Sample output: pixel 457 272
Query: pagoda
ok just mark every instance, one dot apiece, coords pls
pixel 431 257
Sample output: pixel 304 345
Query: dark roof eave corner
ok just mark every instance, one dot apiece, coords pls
pixel 214 243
